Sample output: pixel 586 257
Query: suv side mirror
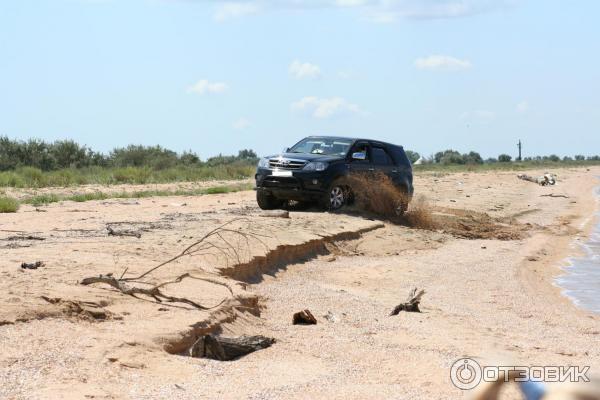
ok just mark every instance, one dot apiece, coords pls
pixel 286 149
pixel 359 156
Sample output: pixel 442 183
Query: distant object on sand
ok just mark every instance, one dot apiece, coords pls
pixel 544 180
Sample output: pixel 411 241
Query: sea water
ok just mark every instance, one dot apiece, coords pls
pixel 581 279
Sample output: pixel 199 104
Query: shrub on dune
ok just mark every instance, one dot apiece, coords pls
pixel 8 205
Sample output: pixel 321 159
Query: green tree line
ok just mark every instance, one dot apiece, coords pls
pixel 453 157
pixel 63 154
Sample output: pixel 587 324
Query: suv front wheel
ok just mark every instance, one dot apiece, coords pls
pixel 336 197
pixel 267 201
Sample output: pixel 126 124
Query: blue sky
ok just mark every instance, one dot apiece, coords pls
pixel 218 76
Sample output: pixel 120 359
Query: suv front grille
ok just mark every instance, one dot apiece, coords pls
pixel 284 163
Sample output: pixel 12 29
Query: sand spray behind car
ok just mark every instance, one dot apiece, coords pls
pixel 377 194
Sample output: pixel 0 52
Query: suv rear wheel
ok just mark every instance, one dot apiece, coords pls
pixel 402 208
pixel 267 201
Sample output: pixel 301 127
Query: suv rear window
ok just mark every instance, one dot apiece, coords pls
pixel 400 157
pixel 380 156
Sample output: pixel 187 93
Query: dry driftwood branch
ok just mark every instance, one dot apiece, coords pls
pixel 275 214
pixel 226 349
pixel 304 317
pixel 123 232
pixel 543 180
pixel 153 291
pixel 555 195
pixel 204 246
pixel 87 309
pixel 33 265
pixel 412 303
pixel 25 237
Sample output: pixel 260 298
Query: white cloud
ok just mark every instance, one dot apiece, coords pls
pixel 523 107
pixel 393 10
pixel 439 62
pixel 325 107
pixel 351 3
pixel 304 70
pixel 241 124
pixel 237 9
pixel 375 10
pixel 205 87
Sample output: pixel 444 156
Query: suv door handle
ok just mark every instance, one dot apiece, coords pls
pixel 394 170
pixel 371 169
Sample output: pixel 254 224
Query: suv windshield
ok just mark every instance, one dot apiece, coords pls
pixel 325 146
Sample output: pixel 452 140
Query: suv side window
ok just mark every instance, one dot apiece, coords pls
pixel 361 148
pixel 381 157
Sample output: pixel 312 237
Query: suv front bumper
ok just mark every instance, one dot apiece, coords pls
pixel 292 185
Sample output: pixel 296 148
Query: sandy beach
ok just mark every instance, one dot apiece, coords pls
pixel 488 269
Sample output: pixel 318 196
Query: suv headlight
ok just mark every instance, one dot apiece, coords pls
pixel 315 166
pixel 263 163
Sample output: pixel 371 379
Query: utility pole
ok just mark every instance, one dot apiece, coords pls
pixel 519 145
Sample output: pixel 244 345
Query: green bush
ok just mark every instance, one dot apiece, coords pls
pixel 28 177
pixel 132 175
pixel 11 179
pixel 32 177
pixel 81 197
pixel 139 156
pixel 42 199
pixel 69 154
pixel 472 158
pixel 451 157
pixel 218 190
pixel 63 177
pixel 8 204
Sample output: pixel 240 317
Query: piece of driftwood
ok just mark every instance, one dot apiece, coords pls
pixel 204 246
pixel 226 349
pixel 555 195
pixel 205 243
pixel 304 317
pixel 26 237
pixel 86 309
pixel 153 291
pixel 412 303
pixel 543 180
pixel 123 232
pixel 275 214
pixel 34 265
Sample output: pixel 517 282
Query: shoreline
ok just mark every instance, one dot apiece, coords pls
pixel 563 248
pixel 589 226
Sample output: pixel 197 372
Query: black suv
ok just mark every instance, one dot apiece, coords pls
pixel 314 170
